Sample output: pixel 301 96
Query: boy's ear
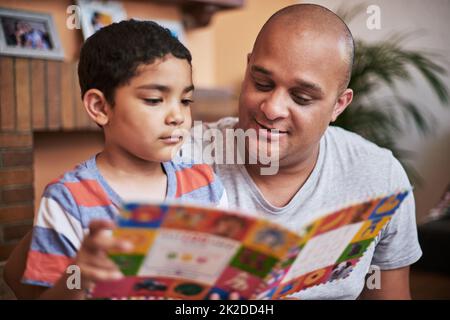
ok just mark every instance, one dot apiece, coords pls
pixel 96 106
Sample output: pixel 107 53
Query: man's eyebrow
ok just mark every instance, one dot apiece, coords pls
pixel 261 70
pixel 309 86
pixel 163 88
pixel 300 83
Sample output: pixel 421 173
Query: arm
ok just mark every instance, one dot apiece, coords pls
pixel 394 286
pixel 91 258
pixel 14 269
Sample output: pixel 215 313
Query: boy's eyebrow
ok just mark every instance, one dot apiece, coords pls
pixel 164 88
pixel 188 89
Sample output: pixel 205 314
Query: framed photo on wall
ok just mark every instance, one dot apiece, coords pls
pixel 175 27
pixel 97 14
pixel 29 34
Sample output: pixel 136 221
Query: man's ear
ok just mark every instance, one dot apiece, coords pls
pixel 342 102
pixel 96 106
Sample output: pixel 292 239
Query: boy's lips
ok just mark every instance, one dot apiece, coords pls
pixel 172 139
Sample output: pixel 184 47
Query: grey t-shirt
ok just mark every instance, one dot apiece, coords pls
pixel 349 169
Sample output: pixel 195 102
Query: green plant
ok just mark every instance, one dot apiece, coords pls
pixel 385 64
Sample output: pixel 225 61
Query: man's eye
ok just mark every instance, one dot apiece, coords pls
pixel 263 86
pixel 187 102
pixel 301 101
pixel 153 101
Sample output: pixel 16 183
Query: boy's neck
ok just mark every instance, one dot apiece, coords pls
pixel 133 179
pixel 127 165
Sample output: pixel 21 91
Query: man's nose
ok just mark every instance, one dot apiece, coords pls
pixel 175 117
pixel 275 105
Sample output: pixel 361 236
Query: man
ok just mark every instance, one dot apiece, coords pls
pixel 296 83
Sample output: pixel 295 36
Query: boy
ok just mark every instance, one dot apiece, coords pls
pixel 136 83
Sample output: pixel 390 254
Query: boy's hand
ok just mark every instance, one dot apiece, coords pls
pixel 92 258
pixel 232 296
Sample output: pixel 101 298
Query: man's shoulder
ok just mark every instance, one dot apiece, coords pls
pixel 356 157
pixel 353 145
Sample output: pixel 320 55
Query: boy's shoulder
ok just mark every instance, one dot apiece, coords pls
pixel 196 180
pixel 189 175
pixel 78 187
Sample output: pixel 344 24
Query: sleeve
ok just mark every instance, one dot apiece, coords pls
pixel 223 202
pixel 398 245
pixel 57 236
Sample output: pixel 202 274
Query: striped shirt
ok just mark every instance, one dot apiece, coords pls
pixel 71 202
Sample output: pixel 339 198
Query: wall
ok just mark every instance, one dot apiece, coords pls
pixel 234 34
pixel 199 40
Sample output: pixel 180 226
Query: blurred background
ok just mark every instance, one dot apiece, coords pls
pixel 401 80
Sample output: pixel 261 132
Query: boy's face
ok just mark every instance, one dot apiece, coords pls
pixel 151 115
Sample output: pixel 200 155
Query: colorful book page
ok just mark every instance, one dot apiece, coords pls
pixel 189 252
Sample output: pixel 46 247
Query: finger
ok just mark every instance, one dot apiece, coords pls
pixel 89 273
pixel 99 225
pixel 234 296
pixel 103 241
pixel 101 261
pixel 214 296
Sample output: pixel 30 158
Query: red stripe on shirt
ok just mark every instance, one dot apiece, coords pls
pixel 45 267
pixel 190 179
pixel 88 193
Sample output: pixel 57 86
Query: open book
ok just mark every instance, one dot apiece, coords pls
pixel 190 252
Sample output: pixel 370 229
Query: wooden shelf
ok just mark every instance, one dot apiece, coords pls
pixel 198 13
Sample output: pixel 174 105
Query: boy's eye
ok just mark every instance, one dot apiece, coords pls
pixel 153 101
pixel 187 102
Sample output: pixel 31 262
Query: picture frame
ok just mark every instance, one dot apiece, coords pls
pixel 29 34
pixel 175 27
pixel 96 14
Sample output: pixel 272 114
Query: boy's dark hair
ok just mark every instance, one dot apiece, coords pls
pixel 111 56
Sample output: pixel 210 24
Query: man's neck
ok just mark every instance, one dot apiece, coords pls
pixel 280 188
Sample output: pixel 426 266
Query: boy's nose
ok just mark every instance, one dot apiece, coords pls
pixel 175 117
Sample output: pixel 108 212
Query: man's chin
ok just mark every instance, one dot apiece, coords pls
pixel 264 153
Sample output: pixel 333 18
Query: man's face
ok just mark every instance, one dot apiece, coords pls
pixel 152 112
pixel 292 84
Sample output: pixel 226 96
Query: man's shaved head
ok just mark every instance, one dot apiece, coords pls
pixel 303 18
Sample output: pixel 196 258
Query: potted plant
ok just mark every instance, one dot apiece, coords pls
pixel 385 64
